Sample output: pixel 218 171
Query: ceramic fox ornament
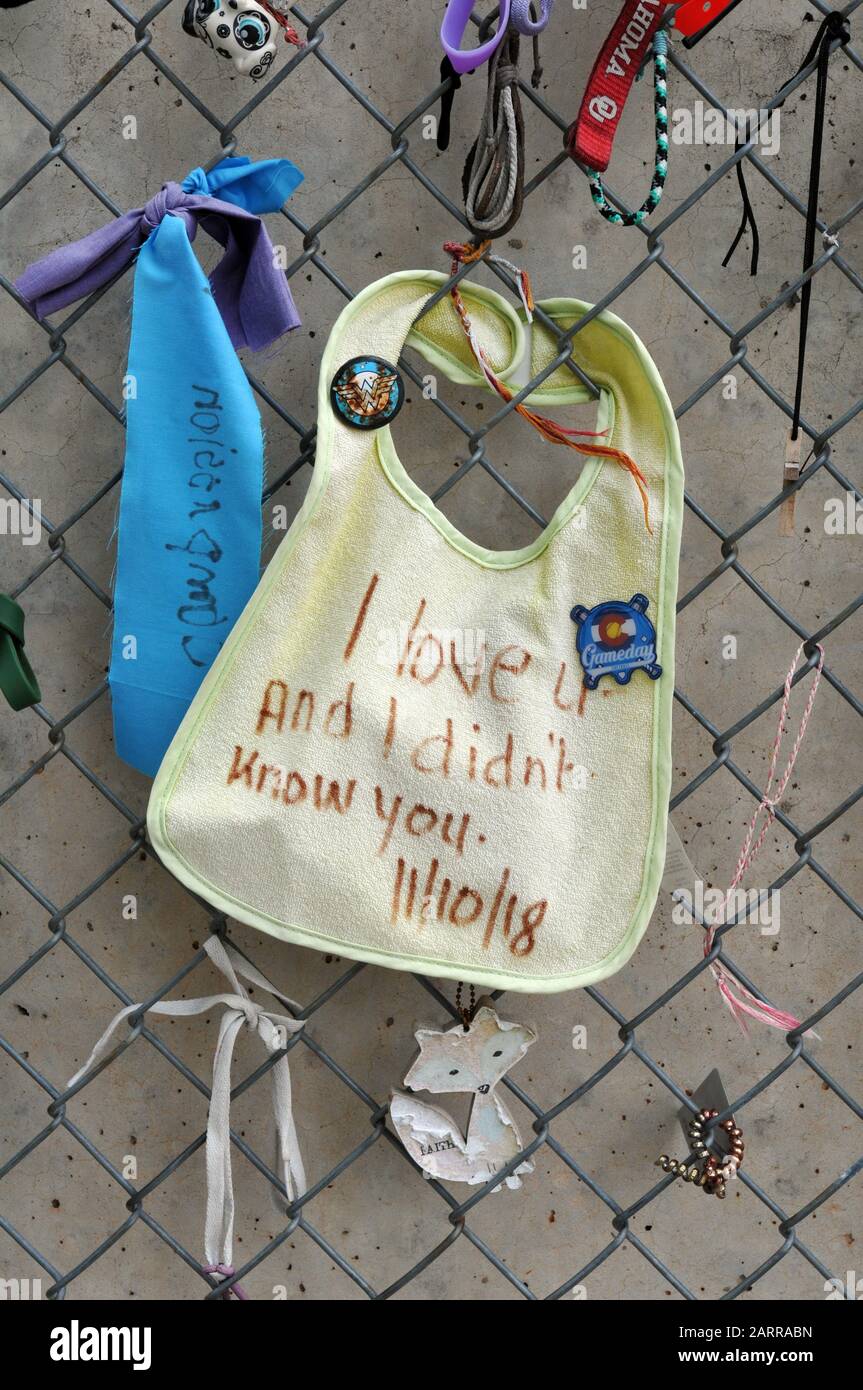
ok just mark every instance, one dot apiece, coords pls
pixel 458 1060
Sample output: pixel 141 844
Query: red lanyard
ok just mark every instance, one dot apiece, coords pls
pixel 591 135
pixel 621 58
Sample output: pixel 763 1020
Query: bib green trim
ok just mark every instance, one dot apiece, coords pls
pixel 495 559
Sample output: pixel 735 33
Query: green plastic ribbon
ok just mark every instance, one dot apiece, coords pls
pixel 17 680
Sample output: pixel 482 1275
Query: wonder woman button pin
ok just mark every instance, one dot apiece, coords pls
pixel 367 392
pixel 615 639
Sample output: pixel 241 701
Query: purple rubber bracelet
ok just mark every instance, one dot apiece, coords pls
pixel 452 30
pixel 521 17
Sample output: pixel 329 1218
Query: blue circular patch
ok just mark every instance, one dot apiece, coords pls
pixel 367 392
pixel 615 639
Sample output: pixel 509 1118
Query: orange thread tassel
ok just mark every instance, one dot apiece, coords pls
pixel 549 429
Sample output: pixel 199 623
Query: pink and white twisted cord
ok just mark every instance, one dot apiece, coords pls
pixel 740 1000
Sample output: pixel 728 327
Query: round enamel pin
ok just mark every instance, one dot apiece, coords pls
pixel 367 392
pixel 615 639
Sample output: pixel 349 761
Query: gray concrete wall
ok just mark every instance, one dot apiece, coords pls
pixel 60 446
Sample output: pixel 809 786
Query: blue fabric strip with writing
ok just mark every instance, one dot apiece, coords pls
pixel 190 510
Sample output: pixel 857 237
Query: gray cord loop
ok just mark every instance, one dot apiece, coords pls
pixel 493 178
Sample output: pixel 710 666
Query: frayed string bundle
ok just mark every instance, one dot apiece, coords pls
pixel 550 430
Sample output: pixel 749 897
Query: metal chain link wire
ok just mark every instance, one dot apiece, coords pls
pixel 61 735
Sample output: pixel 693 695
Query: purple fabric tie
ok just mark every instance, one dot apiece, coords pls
pixel 521 18
pixel 250 291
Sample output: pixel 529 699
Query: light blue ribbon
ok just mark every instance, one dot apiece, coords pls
pixel 190 511
pixel 189 539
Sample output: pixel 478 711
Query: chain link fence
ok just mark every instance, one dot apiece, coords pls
pixel 458 1217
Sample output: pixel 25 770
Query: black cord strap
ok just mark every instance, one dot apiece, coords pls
pixel 834 26
pixel 748 219
pixel 443 130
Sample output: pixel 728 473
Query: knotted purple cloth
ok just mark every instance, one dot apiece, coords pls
pixel 251 292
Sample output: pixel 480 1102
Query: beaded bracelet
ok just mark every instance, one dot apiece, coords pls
pixel 597 192
pixel 714 1173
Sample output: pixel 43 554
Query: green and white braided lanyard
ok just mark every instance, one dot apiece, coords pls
pixel 597 192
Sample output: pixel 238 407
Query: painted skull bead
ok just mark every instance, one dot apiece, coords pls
pixel 239 30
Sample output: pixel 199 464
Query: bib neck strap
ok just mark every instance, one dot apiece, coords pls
pixel 550 430
pixel 396 312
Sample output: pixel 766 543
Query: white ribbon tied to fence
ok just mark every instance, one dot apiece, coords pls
pixel 273 1029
